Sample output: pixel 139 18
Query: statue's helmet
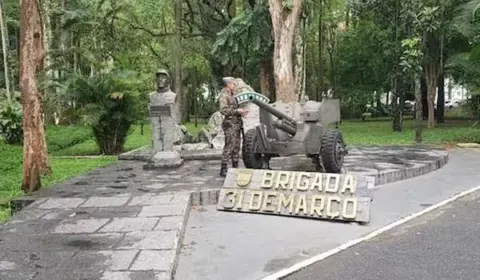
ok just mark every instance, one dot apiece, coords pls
pixel 163 78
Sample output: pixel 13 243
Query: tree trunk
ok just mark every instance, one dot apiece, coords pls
pixel 331 50
pixel 4 33
pixel 418 111
pixel 47 38
pixel 396 111
pixel 284 22
pixel 180 106
pixel 264 79
pixel 424 90
pixel 441 99
pixel 321 64
pixel 232 9
pixel 431 77
pixel 396 105
pixel 35 161
pixel 450 87
pixel 347 15
pixel 300 60
pixel 441 85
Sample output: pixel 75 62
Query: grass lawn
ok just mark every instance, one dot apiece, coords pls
pixel 11 170
pixel 77 140
pixel 62 141
pixel 380 133
pixel 134 140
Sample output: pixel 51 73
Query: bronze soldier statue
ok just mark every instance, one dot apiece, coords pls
pixel 231 125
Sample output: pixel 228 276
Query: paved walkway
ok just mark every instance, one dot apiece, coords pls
pixel 115 223
pixel 117 237
pixel 235 246
pixel 122 222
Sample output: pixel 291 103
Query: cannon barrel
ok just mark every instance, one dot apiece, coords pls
pixel 284 122
pixel 272 110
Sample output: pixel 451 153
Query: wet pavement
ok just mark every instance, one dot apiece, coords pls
pixel 235 246
pixel 441 245
pixel 123 222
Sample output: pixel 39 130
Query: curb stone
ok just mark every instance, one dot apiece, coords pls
pixel 180 236
pixel 468 145
pixel 408 173
pixel 210 196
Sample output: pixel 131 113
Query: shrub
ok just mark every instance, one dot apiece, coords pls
pixel 107 102
pixel 11 122
pixel 63 137
pixel 473 105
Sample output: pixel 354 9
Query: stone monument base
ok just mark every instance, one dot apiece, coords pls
pixel 160 160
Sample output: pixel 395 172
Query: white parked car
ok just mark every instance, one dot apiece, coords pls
pixel 450 104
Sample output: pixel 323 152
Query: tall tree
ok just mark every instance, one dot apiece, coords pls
pixel 285 17
pixel 178 53
pixel 4 34
pixel 32 52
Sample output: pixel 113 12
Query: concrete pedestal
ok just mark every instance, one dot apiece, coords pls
pixel 160 160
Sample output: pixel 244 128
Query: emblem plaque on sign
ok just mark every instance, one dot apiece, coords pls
pixel 244 177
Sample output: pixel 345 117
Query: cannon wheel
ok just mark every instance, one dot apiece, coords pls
pixel 250 158
pixel 332 151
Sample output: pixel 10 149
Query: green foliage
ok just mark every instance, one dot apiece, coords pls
pixel 473 105
pixel 107 103
pixel 11 121
pixel 247 35
pixel 362 68
pixel 63 137
pixel 411 59
pixel 287 4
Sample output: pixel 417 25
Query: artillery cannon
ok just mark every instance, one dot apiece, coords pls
pixel 288 129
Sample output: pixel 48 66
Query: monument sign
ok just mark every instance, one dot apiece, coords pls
pixel 344 197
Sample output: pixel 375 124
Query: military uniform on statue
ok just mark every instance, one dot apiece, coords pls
pixel 231 125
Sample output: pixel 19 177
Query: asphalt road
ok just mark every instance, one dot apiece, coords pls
pixel 441 245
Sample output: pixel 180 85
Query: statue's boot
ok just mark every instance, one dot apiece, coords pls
pixel 223 170
pixel 235 164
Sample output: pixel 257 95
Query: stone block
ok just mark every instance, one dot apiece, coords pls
pixel 80 226
pixel 8 265
pixel 165 159
pixel 163 210
pixel 149 200
pixel 130 224
pixel 154 260
pixel 32 214
pixel 157 186
pixel 62 203
pixel 57 242
pixel 149 240
pixel 134 275
pixel 170 223
pixel 170 177
pixel 105 201
pixel 34 259
pixel 117 260
pixel 16 275
pixel 180 198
